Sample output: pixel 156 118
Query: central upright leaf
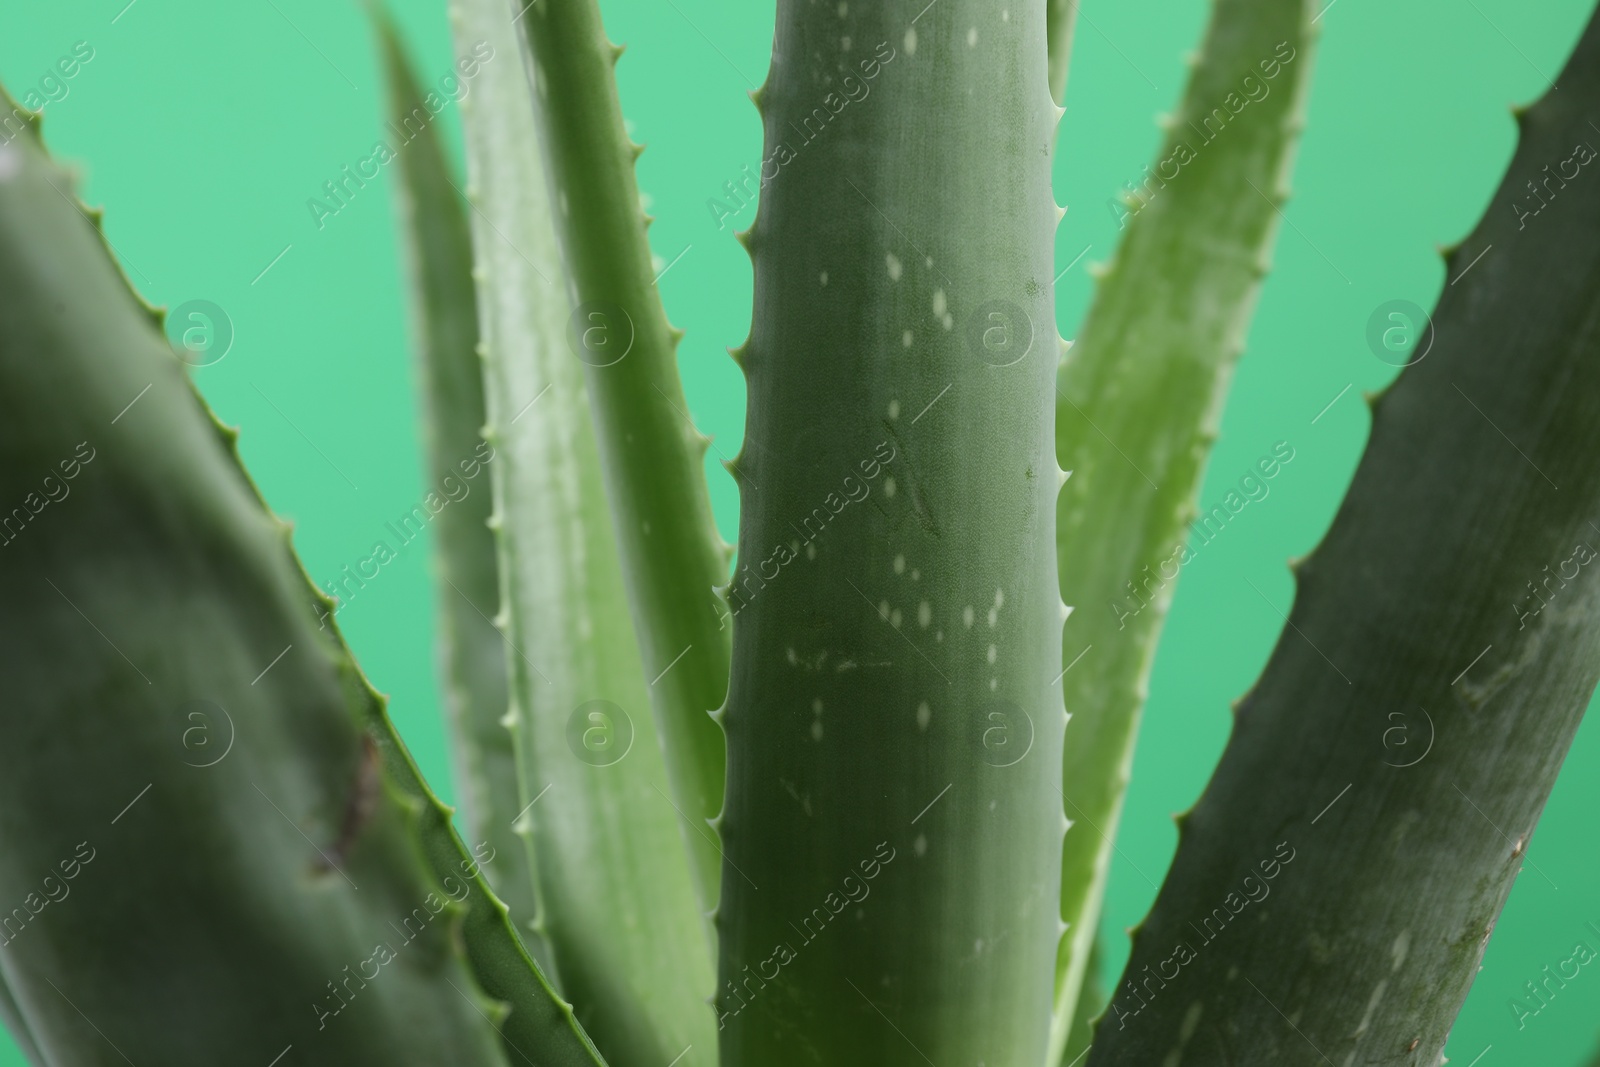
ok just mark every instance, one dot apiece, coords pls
pixel 893 822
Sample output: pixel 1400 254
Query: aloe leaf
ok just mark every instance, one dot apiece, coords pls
pixel 651 455
pixel 300 890
pixel 1140 396
pixel 1091 1003
pixel 893 823
pixel 1061 18
pixel 619 904
pixel 471 650
pixel 1377 796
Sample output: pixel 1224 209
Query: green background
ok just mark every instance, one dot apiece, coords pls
pixel 204 129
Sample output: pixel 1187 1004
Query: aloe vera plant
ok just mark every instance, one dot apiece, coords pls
pixel 848 795
pixel 602 839
pixel 1162 336
pixel 892 662
pixel 1387 940
pixel 201 562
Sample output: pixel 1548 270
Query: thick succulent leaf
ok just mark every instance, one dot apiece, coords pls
pixel 190 744
pixel 1061 20
pixel 652 456
pixel 618 901
pixel 1140 395
pixel 1376 799
pixel 893 824
pixel 472 651
pixel 1086 1009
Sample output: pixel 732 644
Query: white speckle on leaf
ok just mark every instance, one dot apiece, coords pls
pixel 994 617
pixel 823 277
pixel 10 162
pixel 894 409
pixel 894 618
pixel 883 609
pixel 938 303
pixel 905 339
pixel 924 614
pixel 1372 1006
pixel 1401 946
pixel 816 706
pixel 844 44
pixel 920 845
pixel 924 714
pixel 816 730
pixel 994 653
pixel 893 263
pixel 1191 1021
pixel 888 487
pixel 972 37
pixel 911 41
pixel 811 552
pixel 967 615
pixel 899 564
